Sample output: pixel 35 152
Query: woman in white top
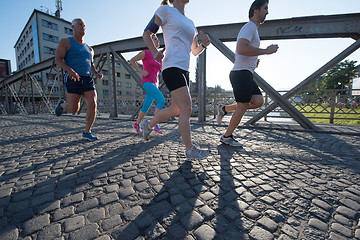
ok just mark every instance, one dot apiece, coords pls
pixel 180 37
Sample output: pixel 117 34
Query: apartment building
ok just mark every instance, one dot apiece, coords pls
pixel 38 42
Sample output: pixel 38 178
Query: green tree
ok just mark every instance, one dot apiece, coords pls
pixel 339 76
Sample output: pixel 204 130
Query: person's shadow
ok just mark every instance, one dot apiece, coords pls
pixel 228 223
pixel 169 215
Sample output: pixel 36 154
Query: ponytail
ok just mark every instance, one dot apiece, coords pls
pixel 165 2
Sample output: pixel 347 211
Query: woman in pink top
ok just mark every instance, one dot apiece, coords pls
pixel 150 72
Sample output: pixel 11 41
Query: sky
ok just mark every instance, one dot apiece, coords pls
pixel 111 20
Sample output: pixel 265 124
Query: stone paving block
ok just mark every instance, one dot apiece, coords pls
pixel 204 232
pixel 74 223
pixel 42 199
pixel 290 231
pixel 351 204
pixel 22 216
pixel 318 224
pixel 110 223
pixel 347 212
pixel 78 197
pixel 126 232
pixel 324 205
pixel 336 236
pixel 253 214
pixel 341 229
pixel 63 213
pixel 191 220
pixel 268 224
pixel 50 232
pixel 9 233
pixel 36 224
pixel 96 214
pixel 206 211
pixel 87 232
pixel 125 192
pixel 343 220
pixel 87 205
pixel 132 213
pixel 108 198
pixel 176 231
pixel 357 233
pixel 155 231
pixel 258 233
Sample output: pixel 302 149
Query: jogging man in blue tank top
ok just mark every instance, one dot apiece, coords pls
pixel 76 58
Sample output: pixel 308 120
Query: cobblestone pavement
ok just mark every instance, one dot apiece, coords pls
pixel 280 185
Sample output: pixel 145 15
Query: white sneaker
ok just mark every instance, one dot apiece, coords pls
pixel 230 141
pixel 220 113
pixel 195 153
pixel 146 129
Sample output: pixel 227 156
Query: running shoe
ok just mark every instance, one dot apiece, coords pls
pixel 157 129
pixel 195 153
pixel 146 129
pixel 137 128
pixel 220 113
pixel 88 136
pixel 59 110
pixel 231 141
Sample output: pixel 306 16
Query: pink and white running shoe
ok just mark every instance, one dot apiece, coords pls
pixel 137 128
pixel 157 129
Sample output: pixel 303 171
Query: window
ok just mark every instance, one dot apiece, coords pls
pixel 137 86
pixel 49 50
pixel 51 38
pixel 119 93
pixel 128 85
pixel 105 82
pixel 69 31
pixel 118 74
pixel 118 84
pixel 128 94
pixel 117 64
pixel 105 72
pixel 106 92
pixel 127 76
pixel 49 24
pixel 31 42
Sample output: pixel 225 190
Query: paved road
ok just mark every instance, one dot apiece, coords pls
pixel 280 185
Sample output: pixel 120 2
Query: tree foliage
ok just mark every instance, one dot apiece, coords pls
pixel 338 77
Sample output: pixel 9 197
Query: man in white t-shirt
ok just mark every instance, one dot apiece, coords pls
pixel 247 93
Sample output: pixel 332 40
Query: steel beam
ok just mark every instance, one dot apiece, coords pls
pixel 202 87
pixel 331 26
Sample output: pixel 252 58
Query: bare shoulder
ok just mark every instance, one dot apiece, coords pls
pixel 65 42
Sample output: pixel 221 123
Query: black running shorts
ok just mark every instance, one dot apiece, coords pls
pixel 175 78
pixel 243 85
pixel 85 84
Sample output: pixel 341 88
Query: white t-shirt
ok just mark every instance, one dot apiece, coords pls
pixel 179 32
pixel 250 32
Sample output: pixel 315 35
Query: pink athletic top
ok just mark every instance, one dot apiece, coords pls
pixel 152 66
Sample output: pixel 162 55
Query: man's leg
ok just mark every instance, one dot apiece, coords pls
pixel 90 98
pixel 72 104
pixel 236 118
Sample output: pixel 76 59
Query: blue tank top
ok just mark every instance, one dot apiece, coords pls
pixel 79 57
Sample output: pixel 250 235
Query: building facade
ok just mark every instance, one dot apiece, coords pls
pixel 38 42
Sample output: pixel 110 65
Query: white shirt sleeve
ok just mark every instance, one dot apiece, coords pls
pixel 162 13
pixel 247 32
